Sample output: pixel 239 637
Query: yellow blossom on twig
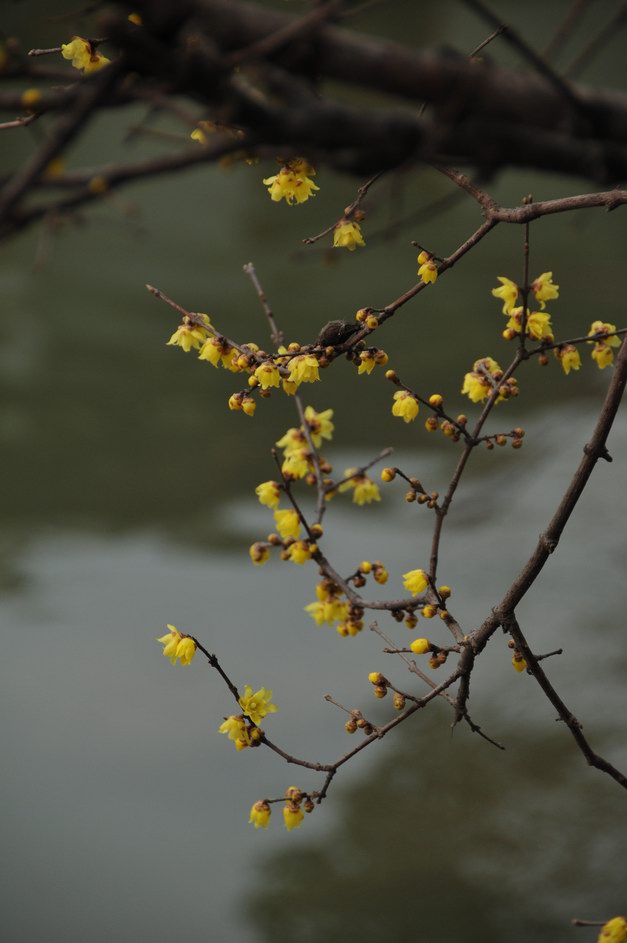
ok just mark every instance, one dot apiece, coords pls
pixel 178 646
pixel 260 814
pixel 83 55
pixel 287 523
pixel 405 406
pixel 544 289
pixel 292 183
pixel 257 705
pixel 508 293
pixel 415 581
pixel 348 235
pixel 269 493
pixel 614 931
pixel 428 270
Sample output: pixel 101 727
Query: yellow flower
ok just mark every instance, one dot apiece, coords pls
pixel 602 352
pixel 269 493
pixel 569 357
pixel 405 406
pixel 287 523
pixel 537 326
pixel 83 55
pixel 428 270
pixel 178 646
pixel 268 375
pixel 301 551
pixel 293 441
pixel 296 464
pixel 260 814
pixel 292 183
pixel 186 650
pixel 365 490
pixel 170 643
pixel 319 424
pixel 257 705
pixel 614 931
pixel 604 327
pixel 603 356
pixel 347 235
pixel 259 553
pixel 519 662
pixel 544 289
pixel 367 363
pixel 78 50
pixel 477 386
pixel 189 335
pixel 234 727
pixel 508 293
pixel 329 610
pixel 420 646
pixel 212 351
pixel 303 369
pixel 293 815
pixel 415 581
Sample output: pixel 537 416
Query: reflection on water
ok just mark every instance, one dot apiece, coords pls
pixel 119 781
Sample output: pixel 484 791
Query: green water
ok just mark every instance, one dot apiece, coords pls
pixel 128 503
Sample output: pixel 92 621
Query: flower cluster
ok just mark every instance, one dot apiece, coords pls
pixel 602 352
pixel 292 183
pixel 484 378
pixel 537 323
pixel 428 270
pixel 83 55
pixel 330 607
pixel 178 646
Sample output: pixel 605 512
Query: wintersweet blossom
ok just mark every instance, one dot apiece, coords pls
pixel 257 705
pixel 83 55
pixel 267 375
pixel 301 551
pixel 537 325
pixel 428 270
pixel 296 464
pixel 365 490
pixel 319 425
pixel 189 335
pixel 415 581
pixel 260 814
pixel 293 815
pixel 348 235
pixel 544 289
pixel 477 384
pixel 519 662
pixel 367 362
pixel 303 369
pixel 602 352
pixel 507 292
pixel 178 646
pixel 287 523
pixel 614 931
pixel 237 731
pixel 213 350
pixel 292 183
pixel 405 406
pixel 568 356
pixel 269 493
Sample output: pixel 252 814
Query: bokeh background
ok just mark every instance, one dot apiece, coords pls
pixel 127 502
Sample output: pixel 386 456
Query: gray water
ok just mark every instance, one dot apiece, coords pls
pixel 128 503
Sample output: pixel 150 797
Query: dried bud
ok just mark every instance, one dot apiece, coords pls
pixel 399 701
pixel 380 690
pixel 410 496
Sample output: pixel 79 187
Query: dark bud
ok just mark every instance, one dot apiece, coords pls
pixel 335 333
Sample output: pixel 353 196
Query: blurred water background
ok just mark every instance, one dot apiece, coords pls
pixel 128 503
